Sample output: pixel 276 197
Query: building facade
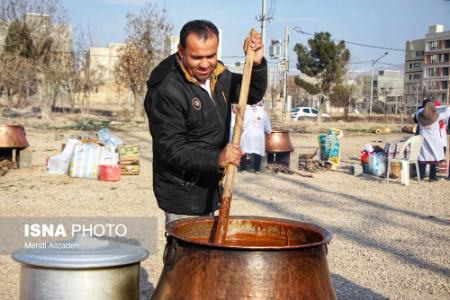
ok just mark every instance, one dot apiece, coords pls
pixel 103 61
pixel 387 91
pixel 427 64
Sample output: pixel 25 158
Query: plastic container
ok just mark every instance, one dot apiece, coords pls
pixel 109 173
pixel 443 167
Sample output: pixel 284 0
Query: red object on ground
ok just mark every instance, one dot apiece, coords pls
pixel 442 167
pixel 109 173
pixel 364 157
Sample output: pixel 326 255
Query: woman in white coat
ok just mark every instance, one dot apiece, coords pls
pixel 432 151
pixel 256 127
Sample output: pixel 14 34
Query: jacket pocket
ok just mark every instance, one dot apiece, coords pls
pixel 184 180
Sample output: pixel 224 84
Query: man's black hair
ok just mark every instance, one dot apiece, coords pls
pixel 202 28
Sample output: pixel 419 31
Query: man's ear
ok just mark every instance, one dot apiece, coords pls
pixel 180 50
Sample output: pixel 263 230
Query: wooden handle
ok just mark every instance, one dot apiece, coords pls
pixel 224 212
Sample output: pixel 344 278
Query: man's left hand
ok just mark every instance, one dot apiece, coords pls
pixel 255 42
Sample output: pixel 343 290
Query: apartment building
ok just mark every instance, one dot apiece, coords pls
pixel 387 87
pixel 104 60
pixel 427 64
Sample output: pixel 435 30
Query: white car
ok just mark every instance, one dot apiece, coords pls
pixel 301 113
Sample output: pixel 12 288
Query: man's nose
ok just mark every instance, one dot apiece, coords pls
pixel 204 63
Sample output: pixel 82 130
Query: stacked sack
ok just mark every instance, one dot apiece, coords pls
pixel 129 159
pixel 329 146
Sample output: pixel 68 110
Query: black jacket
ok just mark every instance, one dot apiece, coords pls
pixel 189 129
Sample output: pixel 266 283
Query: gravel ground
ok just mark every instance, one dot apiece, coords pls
pixel 389 241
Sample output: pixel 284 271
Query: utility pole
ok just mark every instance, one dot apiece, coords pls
pixel 262 19
pixel 417 96
pixel 371 83
pixel 286 67
pixel 263 24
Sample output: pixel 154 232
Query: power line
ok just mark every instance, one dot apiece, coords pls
pixel 272 8
pixel 299 30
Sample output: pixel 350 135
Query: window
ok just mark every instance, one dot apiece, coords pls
pixel 433 45
pixel 419 53
pixel 445 57
pixel 314 111
pixel 434 59
pixel 431 72
pixel 444 85
pixel 410 76
pixel 410 66
pixel 416 76
pixel 417 65
pixel 445 71
pixel 306 110
pixel 447 44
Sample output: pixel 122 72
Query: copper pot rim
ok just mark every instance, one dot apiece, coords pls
pixel 280 131
pixel 287 150
pixel 326 234
pixel 11 125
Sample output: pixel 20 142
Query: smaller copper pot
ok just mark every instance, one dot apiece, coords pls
pixel 279 141
pixel 13 136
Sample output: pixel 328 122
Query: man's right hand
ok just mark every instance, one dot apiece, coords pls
pixel 231 154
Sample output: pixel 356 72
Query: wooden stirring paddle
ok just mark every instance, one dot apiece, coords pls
pixel 224 212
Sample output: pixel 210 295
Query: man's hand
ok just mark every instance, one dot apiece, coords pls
pixel 256 44
pixel 231 154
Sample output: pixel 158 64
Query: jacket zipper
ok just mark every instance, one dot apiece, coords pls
pixel 213 99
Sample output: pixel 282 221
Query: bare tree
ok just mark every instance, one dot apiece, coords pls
pixel 45 40
pixel 90 79
pixel 16 77
pixel 148 33
pixel 84 79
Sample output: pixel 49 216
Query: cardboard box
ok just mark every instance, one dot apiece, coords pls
pixel 129 152
pixel 130 169
pixel 396 169
pixel 130 162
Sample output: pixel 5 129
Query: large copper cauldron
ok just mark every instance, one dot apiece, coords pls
pixel 279 141
pixel 12 136
pixel 262 258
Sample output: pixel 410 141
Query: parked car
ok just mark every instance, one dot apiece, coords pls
pixel 302 113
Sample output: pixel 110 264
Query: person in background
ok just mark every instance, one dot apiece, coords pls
pixel 415 115
pixel 432 151
pixel 256 128
pixel 442 126
pixel 188 107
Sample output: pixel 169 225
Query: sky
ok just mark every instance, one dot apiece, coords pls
pixel 384 23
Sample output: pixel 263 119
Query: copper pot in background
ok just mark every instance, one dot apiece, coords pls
pixel 279 141
pixel 262 258
pixel 13 136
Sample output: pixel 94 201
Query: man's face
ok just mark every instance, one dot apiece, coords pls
pixel 200 56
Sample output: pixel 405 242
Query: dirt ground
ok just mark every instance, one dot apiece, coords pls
pixel 389 241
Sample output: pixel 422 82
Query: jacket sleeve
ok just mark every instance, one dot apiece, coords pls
pixel 167 116
pixel 258 84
